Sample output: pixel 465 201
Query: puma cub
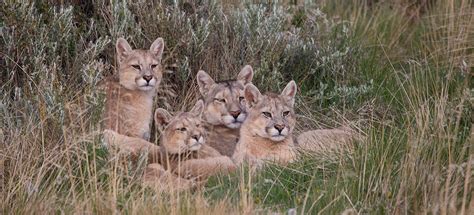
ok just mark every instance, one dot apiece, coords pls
pixel 129 102
pixel 183 148
pixel 182 156
pixel 267 132
pixel 224 111
pixel 154 176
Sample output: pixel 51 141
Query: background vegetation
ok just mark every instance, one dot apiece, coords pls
pixel 399 71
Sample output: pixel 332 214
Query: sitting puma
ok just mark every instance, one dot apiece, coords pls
pixel 182 143
pixel 129 102
pixel 267 132
pixel 224 111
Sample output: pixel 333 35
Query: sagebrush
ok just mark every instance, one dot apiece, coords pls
pixel 401 76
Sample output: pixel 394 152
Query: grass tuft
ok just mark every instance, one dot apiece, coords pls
pixel 399 71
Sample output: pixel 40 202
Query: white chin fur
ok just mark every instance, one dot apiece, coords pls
pixel 143 85
pixel 273 132
pixel 195 145
pixel 234 125
pixel 230 122
pixel 277 138
pixel 241 118
pixel 227 119
pixel 284 131
pixel 201 140
pixel 146 88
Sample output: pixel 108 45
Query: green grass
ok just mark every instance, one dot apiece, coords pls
pixel 404 80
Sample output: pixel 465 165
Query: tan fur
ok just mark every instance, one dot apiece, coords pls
pixel 183 149
pixel 182 153
pixel 204 167
pixel 129 101
pixel 260 140
pixel 132 146
pixel 157 178
pixel 128 112
pixel 327 140
pixel 155 175
pixel 224 111
pixel 222 138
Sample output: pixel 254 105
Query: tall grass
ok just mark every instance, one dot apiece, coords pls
pixel 405 81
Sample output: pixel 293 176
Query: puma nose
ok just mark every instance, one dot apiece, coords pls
pixel 279 127
pixel 235 114
pixel 196 137
pixel 147 78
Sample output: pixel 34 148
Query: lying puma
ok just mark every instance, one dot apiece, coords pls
pixel 328 141
pixel 155 175
pixel 161 180
pixel 129 102
pixel 183 149
pixel 267 132
pixel 224 111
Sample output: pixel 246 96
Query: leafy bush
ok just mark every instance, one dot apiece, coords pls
pixel 406 77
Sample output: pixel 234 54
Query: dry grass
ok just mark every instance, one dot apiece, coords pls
pixel 405 81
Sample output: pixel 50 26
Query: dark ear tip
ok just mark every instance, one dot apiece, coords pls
pixel 294 84
pixel 201 72
pixel 246 73
pixel 161 109
pixel 159 41
pixel 122 46
pixel 121 40
pixel 203 78
pixel 200 102
pixel 157 46
pixel 198 108
pixel 249 86
pixel 161 112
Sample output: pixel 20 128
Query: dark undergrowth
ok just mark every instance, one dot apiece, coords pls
pixel 400 73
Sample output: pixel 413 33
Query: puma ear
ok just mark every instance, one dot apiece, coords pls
pixel 204 82
pixel 198 108
pixel 289 93
pixel 123 49
pixel 245 75
pixel 157 47
pixel 251 94
pixel 162 118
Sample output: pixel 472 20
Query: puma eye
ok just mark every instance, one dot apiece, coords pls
pixel 136 66
pixel 267 114
pixel 286 113
pixel 219 100
pixel 182 129
pixel 154 66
